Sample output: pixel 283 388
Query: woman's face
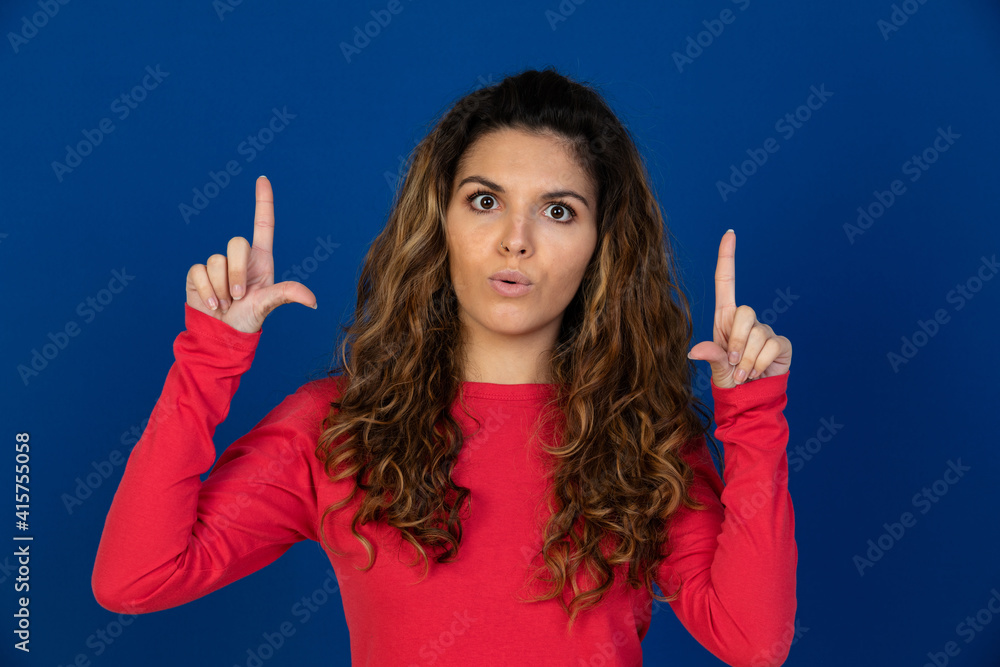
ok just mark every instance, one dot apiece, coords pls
pixel 516 182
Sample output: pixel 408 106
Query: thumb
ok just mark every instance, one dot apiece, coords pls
pixel 285 292
pixel 710 352
pixel 722 370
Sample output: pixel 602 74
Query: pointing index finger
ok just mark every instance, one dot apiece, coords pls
pixel 263 218
pixel 725 272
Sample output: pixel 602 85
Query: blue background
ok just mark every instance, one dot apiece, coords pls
pixel 853 298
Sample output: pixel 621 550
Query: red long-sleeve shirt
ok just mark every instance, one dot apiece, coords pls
pixel 170 538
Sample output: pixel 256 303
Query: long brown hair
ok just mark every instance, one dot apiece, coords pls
pixel 623 398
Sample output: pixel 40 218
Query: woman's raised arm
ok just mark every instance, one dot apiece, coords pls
pixel 168 537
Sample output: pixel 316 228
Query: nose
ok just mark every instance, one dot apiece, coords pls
pixel 515 237
pixel 507 250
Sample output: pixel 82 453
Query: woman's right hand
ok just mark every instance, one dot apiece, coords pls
pixel 242 285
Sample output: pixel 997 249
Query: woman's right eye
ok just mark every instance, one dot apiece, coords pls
pixel 487 201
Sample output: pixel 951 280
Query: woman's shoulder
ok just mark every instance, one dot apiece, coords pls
pixel 316 395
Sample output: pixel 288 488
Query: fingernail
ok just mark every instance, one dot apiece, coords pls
pixel 741 375
pixel 313 306
pixel 213 303
pixel 237 291
pixel 731 230
pixel 734 358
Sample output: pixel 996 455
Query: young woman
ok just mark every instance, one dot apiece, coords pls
pixel 509 454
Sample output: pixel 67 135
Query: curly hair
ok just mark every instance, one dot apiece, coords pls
pixel 623 397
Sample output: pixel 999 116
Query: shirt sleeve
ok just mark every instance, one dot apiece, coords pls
pixel 737 559
pixel 169 538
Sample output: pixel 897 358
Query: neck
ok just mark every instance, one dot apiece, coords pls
pixel 502 359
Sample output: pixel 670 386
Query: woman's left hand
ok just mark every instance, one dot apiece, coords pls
pixel 742 348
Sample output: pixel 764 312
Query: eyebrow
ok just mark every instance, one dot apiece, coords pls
pixel 546 195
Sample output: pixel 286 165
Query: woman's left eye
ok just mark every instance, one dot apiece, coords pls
pixel 565 212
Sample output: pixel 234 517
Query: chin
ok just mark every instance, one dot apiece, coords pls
pixel 503 321
pixel 508 328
